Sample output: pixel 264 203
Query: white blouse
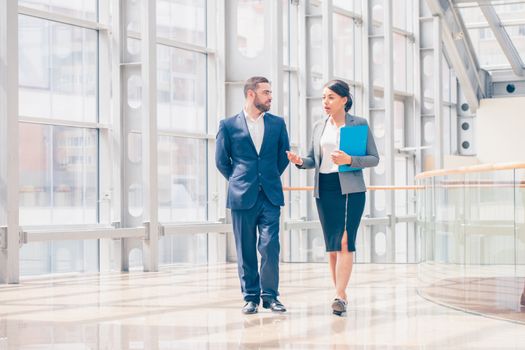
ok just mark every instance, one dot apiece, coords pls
pixel 329 142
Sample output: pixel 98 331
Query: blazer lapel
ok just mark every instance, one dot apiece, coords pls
pixel 349 120
pixel 317 142
pixel 241 121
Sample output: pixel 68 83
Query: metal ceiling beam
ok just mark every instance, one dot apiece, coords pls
pixel 482 2
pixel 503 39
pixel 459 49
pixel 505 83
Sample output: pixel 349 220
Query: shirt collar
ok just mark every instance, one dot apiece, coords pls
pixel 250 119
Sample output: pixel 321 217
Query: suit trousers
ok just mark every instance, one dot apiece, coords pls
pixel 264 217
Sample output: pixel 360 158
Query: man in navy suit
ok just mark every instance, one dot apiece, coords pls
pixel 251 154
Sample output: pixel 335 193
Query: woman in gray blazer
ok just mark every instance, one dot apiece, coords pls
pixel 340 196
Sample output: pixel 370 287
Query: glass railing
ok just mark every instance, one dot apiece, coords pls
pixel 472 224
pixel 381 238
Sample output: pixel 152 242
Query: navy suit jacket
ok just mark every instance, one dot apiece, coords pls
pixel 246 171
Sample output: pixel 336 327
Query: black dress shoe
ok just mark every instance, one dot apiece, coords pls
pixel 274 304
pixel 250 308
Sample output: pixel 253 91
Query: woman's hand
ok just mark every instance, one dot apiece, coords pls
pixel 341 158
pixel 294 158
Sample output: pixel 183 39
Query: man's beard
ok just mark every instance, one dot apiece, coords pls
pixel 260 106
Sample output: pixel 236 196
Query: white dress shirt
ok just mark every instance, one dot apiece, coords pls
pixel 329 142
pixel 256 129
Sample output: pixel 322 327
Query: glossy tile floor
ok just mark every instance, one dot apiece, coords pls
pixel 497 297
pixel 199 308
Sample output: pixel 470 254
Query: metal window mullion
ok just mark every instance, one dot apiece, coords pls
pixel 302 123
pixel 149 134
pixel 366 95
pixel 327 41
pixel 174 43
pixel 84 180
pixel 438 93
pixel 217 96
pixel 60 18
pixel 82 86
pixel 417 105
pixel 171 107
pixel 50 172
pixel 9 143
pixel 389 125
pixel 276 18
pixel 62 122
pixel 347 13
pixel 50 71
pixel 181 134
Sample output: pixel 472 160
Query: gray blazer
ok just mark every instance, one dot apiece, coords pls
pixel 351 181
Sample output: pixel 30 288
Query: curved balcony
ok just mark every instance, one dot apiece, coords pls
pixel 472 224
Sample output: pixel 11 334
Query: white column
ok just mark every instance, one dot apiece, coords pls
pixel 215 17
pixel 367 93
pixel 149 134
pixel 9 251
pixel 328 41
pixel 276 16
pixel 389 126
pixel 438 92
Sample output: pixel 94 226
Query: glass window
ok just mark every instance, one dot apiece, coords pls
pixel 344 4
pixel 314 59
pixel 184 248
pixel 39 258
pixel 510 11
pixel 400 14
pixel 182 20
pixel 400 62
pixel 84 9
pixel 446 82
pixel 488 50
pixel 472 15
pixel 343 46
pixel 181 90
pixel 57 71
pixel 286 31
pixel 517 35
pixel 58 175
pixel 399 123
pixel 182 179
pixel 250 27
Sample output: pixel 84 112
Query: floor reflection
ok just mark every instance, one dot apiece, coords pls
pixel 199 308
pixel 498 297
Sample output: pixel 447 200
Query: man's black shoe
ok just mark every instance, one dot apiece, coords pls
pixel 250 308
pixel 274 304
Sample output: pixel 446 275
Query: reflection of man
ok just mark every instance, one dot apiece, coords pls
pixel 251 154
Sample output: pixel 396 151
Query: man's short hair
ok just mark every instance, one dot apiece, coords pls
pixel 251 84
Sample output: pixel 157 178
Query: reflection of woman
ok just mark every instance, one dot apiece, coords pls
pixel 340 196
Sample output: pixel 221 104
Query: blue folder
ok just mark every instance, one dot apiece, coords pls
pixel 352 141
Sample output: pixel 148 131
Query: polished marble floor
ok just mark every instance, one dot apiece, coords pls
pixel 199 308
pixel 497 297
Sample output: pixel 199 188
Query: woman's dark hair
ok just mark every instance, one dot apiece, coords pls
pixel 342 89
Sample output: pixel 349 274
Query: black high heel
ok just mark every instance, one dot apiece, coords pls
pixel 338 306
